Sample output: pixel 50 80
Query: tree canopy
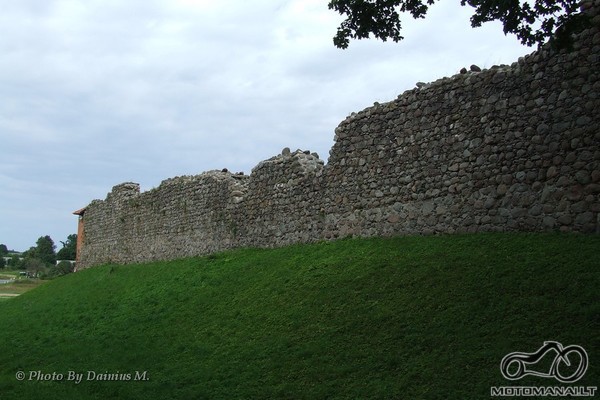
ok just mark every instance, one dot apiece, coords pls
pixel 69 248
pixel 43 251
pixel 543 20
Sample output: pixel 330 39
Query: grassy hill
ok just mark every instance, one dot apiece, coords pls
pixel 399 318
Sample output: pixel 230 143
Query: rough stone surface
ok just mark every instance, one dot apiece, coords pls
pixel 508 148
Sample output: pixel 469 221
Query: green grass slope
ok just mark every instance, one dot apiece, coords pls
pixel 399 318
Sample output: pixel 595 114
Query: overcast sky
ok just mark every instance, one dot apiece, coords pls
pixel 98 92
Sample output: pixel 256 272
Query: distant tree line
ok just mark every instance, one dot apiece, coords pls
pixel 40 260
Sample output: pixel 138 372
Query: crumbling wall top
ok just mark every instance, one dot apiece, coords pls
pixel 123 191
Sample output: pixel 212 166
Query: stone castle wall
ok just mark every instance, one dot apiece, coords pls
pixel 509 148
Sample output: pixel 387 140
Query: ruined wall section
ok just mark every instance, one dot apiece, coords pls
pixel 184 216
pixel 214 211
pixel 106 226
pixel 509 148
pixel 284 202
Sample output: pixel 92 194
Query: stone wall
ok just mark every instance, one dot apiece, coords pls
pixel 508 148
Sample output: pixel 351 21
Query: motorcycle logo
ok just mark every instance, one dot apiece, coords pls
pixel 515 365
